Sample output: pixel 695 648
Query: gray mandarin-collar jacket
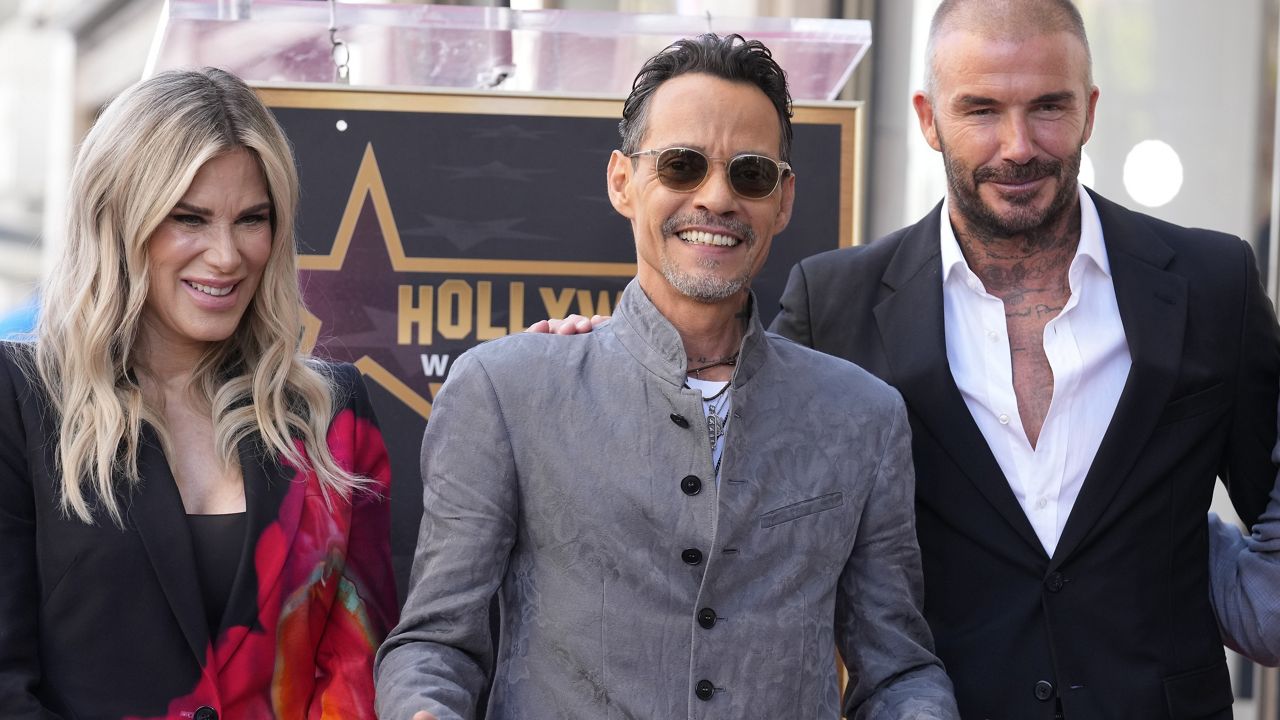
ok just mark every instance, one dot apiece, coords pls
pixel 573 476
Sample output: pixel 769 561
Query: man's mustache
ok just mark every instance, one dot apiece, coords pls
pixel 1009 173
pixel 733 225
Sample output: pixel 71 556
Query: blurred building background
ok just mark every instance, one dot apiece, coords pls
pixel 1185 130
pixel 1185 122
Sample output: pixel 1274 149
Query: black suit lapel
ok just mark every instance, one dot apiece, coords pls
pixel 910 320
pixel 1153 310
pixel 262 556
pixel 157 512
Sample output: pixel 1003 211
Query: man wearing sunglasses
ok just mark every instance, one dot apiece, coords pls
pixel 1076 375
pixel 683 516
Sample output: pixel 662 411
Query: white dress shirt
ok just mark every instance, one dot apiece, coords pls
pixel 1089 357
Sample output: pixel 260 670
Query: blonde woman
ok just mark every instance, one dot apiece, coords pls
pixel 193 515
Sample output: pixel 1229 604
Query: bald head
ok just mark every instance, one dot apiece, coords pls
pixel 1007 20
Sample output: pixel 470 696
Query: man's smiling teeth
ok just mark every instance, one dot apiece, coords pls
pixel 706 238
pixel 207 290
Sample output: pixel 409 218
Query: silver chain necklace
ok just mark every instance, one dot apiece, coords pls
pixel 716 421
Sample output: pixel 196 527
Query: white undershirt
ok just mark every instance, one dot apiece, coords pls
pixel 712 389
pixel 1089 372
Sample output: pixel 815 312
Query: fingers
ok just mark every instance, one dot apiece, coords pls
pixel 423 714
pixel 573 325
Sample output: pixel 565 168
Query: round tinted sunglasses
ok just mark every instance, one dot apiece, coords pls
pixel 685 169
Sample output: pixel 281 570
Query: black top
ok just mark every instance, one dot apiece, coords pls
pixel 217 541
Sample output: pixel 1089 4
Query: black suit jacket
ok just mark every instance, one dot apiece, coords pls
pixel 1117 624
pixel 99 622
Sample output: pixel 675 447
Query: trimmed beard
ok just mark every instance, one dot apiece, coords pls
pixel 705 286
pixel 702 286
pixel 1024 220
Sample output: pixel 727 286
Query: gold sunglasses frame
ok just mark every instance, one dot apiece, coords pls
pixel 784 169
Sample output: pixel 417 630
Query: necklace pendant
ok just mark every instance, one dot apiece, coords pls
pixel 715 428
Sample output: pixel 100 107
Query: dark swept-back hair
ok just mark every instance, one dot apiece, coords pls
pixel 731 57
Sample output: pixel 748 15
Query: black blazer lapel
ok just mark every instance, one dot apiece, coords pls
pixel 156 510
pixel 910 320
pixel 267 502
pixel 1153 310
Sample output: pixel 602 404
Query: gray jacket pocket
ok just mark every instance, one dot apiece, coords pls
pixel 795 511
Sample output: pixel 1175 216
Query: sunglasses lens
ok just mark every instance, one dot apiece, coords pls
pixel 753 176
pixel 681 169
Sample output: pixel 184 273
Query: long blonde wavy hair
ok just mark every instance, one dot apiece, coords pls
pixel 133 167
